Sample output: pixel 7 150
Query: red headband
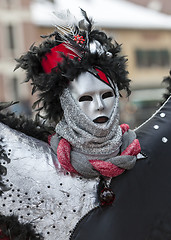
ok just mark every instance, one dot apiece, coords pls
pixel 54 57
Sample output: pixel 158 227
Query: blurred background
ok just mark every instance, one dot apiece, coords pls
pixel 142 26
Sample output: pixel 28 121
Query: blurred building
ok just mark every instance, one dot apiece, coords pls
pixel 149 61
pixel 163 6
pixel 17 32
pixel 144 33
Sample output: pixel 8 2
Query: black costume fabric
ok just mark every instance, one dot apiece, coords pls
pixel 142 207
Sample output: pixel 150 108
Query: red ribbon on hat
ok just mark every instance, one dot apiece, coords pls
pixel 54 57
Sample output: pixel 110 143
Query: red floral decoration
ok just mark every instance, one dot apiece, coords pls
pixel 79 39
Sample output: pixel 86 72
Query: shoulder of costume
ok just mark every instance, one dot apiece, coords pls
pixel 35 188
pixel 19 161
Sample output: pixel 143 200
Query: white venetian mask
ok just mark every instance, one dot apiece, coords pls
pixel 95 98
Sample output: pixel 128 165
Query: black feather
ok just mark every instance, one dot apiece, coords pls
pixel 4 105
pixel 13 230
pixel 89 21
pixel 33 128
pixel 167 83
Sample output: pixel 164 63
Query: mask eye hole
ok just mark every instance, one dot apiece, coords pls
pixel 85 98
pixel 107 95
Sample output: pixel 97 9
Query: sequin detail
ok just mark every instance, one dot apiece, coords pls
pixel 164 140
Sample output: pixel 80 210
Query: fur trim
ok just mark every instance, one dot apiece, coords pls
pixel 167 83
pixel 27 126
pixel 13 230
pixel 50 86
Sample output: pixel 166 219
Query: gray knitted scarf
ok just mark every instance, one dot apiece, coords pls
pixel 83 134
pixel 80 161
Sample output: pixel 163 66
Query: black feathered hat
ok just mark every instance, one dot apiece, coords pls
pixel 65 54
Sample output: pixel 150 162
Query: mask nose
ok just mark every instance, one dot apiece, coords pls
pixel 99 104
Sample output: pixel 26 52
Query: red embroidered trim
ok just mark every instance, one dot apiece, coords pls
pixel 107 169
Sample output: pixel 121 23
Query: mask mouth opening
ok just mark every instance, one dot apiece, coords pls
pixel 102 119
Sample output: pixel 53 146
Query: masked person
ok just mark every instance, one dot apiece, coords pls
pixel 88 184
